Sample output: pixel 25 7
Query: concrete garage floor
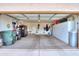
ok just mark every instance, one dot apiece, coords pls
pixel 34 45
pixel 38 42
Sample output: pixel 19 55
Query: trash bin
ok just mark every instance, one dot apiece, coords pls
pixel 73 39
pixel 7 37
pixel 14 37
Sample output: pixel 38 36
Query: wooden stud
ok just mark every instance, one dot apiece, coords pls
pixel 39 12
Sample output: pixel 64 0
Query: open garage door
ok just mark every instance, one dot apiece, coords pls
pixel 53 17
pixel 37 31
pixel 42 26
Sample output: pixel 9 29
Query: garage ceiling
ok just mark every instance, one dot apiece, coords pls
pixel 35 17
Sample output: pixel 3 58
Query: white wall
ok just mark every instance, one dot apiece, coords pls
pixel 72 21
pixel 4 20
pixel 32 26
pixel 71 26
pixel 60 31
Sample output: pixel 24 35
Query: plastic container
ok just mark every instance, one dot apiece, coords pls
pixel 7 37
pixel 14 37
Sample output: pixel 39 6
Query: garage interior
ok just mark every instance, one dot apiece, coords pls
pixel 38 32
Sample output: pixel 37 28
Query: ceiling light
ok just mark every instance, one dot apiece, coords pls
pixel 38 20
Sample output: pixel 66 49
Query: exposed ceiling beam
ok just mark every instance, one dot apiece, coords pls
pixel 25 16
pixel 39 12
pixel 12 17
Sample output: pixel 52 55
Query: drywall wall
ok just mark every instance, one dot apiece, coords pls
pixel 5 23
pixel 60 31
